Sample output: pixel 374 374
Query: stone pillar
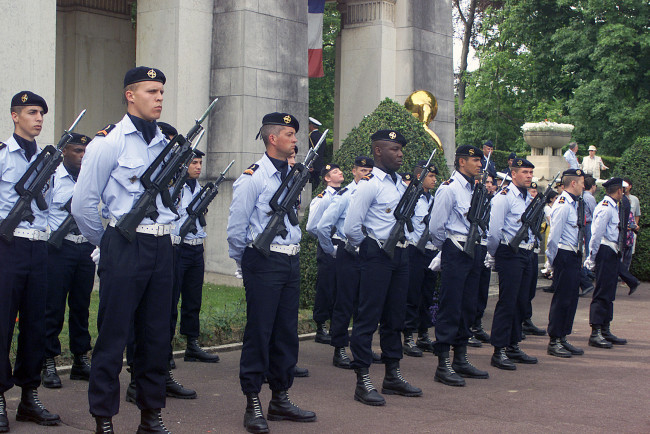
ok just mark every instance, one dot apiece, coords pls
pixel 28 35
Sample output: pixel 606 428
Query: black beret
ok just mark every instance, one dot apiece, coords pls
pixel 25 98
pixel 407 176
pixel 167 129
pixel 522 162
pixel 284 119
pixel 198 154
pixel 79 139
pixel 612 182
pixel 143 73
pixel 388 136
pixel 432 167
pixel 573 172
pixel 468 151
pixel 363 161
pixel 489 144
pixel 328 168
pixel 512 156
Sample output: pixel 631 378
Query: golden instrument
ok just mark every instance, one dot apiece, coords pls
pixel 424 106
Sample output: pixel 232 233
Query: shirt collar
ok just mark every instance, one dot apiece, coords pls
pixel 380 173
pixel 62 172
pixel 567 197
pixel 461 178
pixel 129 128
pixel 611 201
pixel 267 165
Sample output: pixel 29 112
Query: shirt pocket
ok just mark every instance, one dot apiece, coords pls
pixel 128 173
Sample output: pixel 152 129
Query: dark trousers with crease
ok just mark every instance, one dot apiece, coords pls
pixel 382 299
pixel 566 271
pixel 325 286
pixel 23 286
pixel 601 310
pixel 348 269
pixel 422 283
pixel 483 288
pixel 534 265
pixel 71 275
pixel 189 268
pixel 135 291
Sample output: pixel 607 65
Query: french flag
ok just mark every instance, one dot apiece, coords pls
pixel 315 37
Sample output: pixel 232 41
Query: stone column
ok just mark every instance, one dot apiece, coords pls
pixel 28 35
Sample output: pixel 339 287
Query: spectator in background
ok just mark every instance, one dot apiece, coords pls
pixel 592 164
pixel 570 156
pixel 633 224
pixel 590 205
pixel 511 158
pixel 624 272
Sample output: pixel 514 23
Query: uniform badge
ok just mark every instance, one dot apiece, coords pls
pixel 388 210
pixel 605 203
pixel 471 151
pixel 363 162
pixel 579 172
pixel 287 119
pixel 328 167
pixel 561 200
pixel 107 129
pixel 367 177
pixel 151 73
pixel 519 163
pixel 84 139
pixel 251 169
pixel 133 179
pixel 392 135
pixel 504 191
pixel 449 181
pixel 341 191
pixel 322 193
pixel 24 98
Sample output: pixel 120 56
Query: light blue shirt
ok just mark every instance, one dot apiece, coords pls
pixel 334 217
pixel 449 213
pixel 250 209
pixel 590 205
pixel 111 171
pixel 564 225
pixel 372 206
pixel 604 225
pixel 421 210
pixel 13 166
pixel 61 187
pixel 571 158
pixel 317 207
pixel 505 217
pixel 185 198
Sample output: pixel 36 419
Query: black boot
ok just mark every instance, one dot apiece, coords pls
pixel 515 354
pixel 104 425
pixel 281 408
pixel 445 374
pixel 410 349
pixel 376 358
pixel 597 339
pixel 365 391
pixel 500 360
pixel 174 389
pixel 4 422
pixel 130 389
pixel 607 334
pixel 395 384
pixel 322 334
pixel 49 376
pixel 341 359
pixel 479 333
pixel 172 363
pixel 31 409
pixel 473 342
pixel 80 368
pixel 254 418
pixel 463 367
pixel 529 328
pixel 424 342
pixel 194 353
pixel 575 351
pixel 555 348
pixel 151 422
pixel 300 372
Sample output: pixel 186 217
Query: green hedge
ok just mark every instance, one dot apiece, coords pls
pixel 634 164
pixel 388 115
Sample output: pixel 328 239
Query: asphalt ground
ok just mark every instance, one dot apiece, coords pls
pixel 605 390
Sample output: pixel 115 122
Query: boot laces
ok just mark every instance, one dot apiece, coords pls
pixel 448 366
pixel 50 366
pixel 342 354
pixel 171 377
pixel 367 383
pixel 3 406
pixel 36 400
pixel 409 341
pixel 467 362
pixel 257 407
pixel 85 360
pixel 107 427
pixel 502 354
pixel 398 374
pixel 162 424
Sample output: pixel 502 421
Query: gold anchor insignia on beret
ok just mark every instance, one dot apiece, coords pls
pixel 83 140
pixel 287 119
pixel 133 179
pixel 392 135
pixel 151 73
pixel 24 98
pixel 519 163
pixel 471 152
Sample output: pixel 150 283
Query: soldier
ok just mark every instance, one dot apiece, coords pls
pixel 23 275
pixel 272 283
pixel 459 276
pixel 346 262
pixel 382 291
pixel 562 253
pixel 603 251
pixel 70 273
pixel 488 147
pixel 326 277
pixel 422 280
pixel 514 268
pixel 135 277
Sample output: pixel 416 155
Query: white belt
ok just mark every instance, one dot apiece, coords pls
pixel 483 242
pixel 194 242
pixel 568 247
pixel 77 239
pixel 457 239
pixel 176 240
pixel 430 247
pixel 400 244
pixel 536 250
pixel 156 229
pixel 336 237
pixel 31 234
pixel 612 245
pixel 289 250
pixel 525 246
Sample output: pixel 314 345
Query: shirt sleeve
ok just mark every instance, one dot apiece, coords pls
pixel 359 205
pixel 598 228
pixel 497 220
pixel 244 198
pixel 559 217
pixel 327 222
pixel 444 201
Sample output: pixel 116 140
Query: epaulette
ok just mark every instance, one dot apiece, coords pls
pixel 321 194
pixel 341 191
pixel 104 132
pixel 504 191
pixel 251 169
pixel 2 146
pixel 449 181
pixel 367 177
pixel 561 199
pixel 605 203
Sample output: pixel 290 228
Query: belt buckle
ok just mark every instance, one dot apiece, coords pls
pixel 160 230
pixel 35 235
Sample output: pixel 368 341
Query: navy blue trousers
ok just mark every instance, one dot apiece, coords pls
pixel 271 336
pixel 189 268
pixel 422 283
pixel 534 264
pixel 514 286
pixel 325 286
pixel 382 299
pixel 601 310
pixel 348 269
pixel 23 286
pixel 459 278
pixel 135 290
pixel 567 271
pixel 71 275
pixel 483 288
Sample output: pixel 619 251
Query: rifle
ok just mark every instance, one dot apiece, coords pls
pixel 178 154
pixel 581 226
pixel 532 217
pixel 68 225
pixel 31 185
pixel 198 207
pixel 477 212
pixel 404 210
pixel 297 177
pixel 426 236
pixel 622 228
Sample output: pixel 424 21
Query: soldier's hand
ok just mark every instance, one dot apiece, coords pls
pixel 95 256
pixel 336 248
pixel 589 264
pixel 548 266
pixel 238 272
pixel 435 263
pixel 489 261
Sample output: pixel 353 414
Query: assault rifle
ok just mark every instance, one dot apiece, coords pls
pixel 581 226
pixel 198 207
pixel 426 235
pixel 622 228
pixel 178 153
pixel 477 212
pixel 532 217
pixel 293 184
pixel 31 185
pixel 404 210
pixel 68 225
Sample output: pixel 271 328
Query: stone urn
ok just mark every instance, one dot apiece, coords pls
pixel 546 140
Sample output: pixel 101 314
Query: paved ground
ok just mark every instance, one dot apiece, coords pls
pixel 603 391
